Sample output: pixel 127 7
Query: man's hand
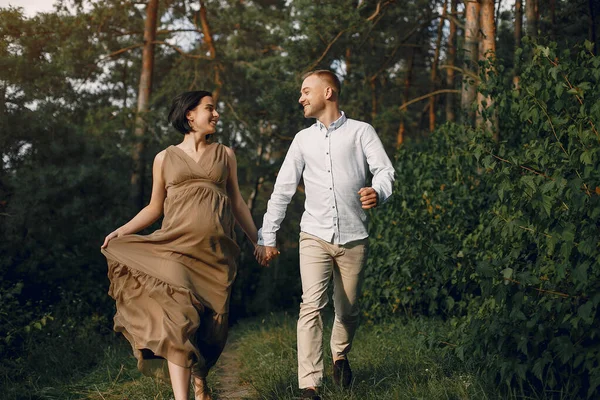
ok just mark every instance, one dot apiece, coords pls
pixel 368 197
pixel 271 252
pixel 264 254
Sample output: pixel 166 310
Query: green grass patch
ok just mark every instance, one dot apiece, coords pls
pixel 403 359
pixel 400 360
pixel 85 363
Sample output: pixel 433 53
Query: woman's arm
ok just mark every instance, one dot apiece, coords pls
pixel 240 209
pixel 149 214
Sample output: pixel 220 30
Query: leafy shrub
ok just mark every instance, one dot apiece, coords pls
pixel 537 249
pixel 504 238
pixel 416 263
pixel 62 203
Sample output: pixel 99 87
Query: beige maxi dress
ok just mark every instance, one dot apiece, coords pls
pixel 172 287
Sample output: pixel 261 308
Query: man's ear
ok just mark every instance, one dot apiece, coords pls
pixel 328 92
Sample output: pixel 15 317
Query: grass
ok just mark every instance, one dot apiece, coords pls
pixel 85 364
pixel 405 359
pixel 392 361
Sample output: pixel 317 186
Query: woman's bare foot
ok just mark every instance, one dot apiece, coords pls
pixel 201 390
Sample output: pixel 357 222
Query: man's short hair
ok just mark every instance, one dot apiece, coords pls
pixel 328 77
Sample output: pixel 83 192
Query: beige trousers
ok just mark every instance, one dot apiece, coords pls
pixel 319 260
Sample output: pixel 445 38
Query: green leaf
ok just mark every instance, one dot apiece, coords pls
pixel 585 311
pixel 547 204
pixel 589 46
pixel 539 367
pixel 528 180
pixel 580 274
pixel 586 157
pixel 507 273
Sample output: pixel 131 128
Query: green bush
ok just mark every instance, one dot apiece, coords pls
pixel 536 248
pixel 503 238
pixel 416 263
pixel 62 203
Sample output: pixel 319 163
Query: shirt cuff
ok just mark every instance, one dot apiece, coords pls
pixel 260 241
pixel 381 199
pixel 267 238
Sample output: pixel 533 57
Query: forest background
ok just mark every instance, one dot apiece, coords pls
pixel 489 110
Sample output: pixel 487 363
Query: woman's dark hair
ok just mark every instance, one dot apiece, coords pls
pixel 182 103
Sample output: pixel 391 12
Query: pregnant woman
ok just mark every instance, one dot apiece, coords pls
pixel 172 287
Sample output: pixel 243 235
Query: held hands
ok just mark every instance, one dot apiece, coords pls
pixel 368 197
pixel 264 254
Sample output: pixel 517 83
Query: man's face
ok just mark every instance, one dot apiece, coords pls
pixel 312 96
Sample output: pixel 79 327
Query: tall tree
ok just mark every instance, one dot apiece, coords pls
pixel 518 35
pixel 552 11
pixel 450 114
pixel 532 17
pixel 405 93
pixel 471 54
pixel 487 50
pixel 592 29
pixel 212 51
pixel 434 66
pixel 144 91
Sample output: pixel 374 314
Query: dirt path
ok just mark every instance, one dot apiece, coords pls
pixel 230 385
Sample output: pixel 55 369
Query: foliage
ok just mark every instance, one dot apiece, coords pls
pixel 415 264
pixel 537 244
pixel 504 238
pixel 54 225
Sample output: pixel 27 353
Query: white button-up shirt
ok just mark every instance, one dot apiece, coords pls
pixel 333 162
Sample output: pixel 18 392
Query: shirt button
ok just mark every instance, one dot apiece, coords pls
pixel 329 188
pixel 333 207
pixel 327 153
pixel 328 171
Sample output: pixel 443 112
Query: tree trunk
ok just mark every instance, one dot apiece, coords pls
pixel 405 94
pixel 125 85
pixel 552 7
pixel 210 44
pixel 347 59
pixel 531 15
pixel 518 22
pixel 434 67
pixel 592 29
pixel 450 115
pixel 471 50
pixel 145 88
pixel 518 36
pixel 373 86
pixel 487 51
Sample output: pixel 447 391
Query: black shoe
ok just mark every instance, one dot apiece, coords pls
pixel 342 374
pixel 310 394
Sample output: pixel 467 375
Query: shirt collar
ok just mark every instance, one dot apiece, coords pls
pixel 334 125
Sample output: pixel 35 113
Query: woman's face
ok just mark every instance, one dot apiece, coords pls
pixel 204 117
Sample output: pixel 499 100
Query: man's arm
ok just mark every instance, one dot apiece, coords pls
pixel 285 188
pixel 380 166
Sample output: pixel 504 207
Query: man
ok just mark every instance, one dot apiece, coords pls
pixel 332 156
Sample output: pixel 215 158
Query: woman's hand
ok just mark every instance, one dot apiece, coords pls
pixel 108 238
pixel 264 254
